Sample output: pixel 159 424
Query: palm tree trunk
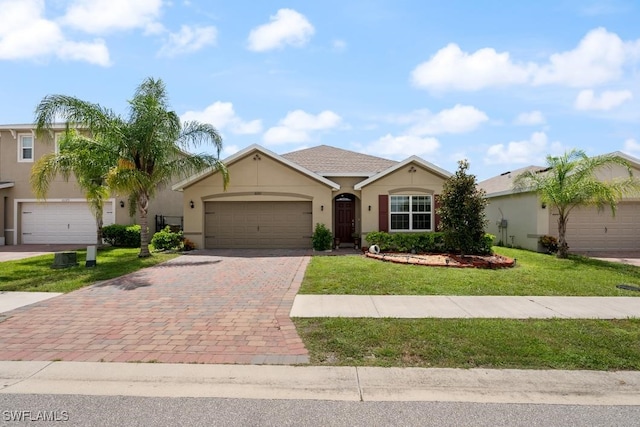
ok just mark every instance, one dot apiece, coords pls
pixel 563 247
pixel 99 224
pixel 143 206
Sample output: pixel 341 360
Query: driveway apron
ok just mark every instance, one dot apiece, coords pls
pixel 209 307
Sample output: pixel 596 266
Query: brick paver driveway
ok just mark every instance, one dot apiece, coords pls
pixel 209 307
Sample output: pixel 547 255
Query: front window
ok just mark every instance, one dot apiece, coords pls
pixel 25 148
pixel 410 213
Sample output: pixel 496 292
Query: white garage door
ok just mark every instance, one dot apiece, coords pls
pixel 61 222
pixel 258 225
pixel 590 230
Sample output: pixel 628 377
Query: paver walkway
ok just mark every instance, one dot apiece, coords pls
pixel 209 307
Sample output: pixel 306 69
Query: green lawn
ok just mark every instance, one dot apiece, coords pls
pixel 471 343
pixel 36 274
pixel 534 274
pixel 468 343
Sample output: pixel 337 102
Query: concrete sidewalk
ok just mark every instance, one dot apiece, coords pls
pixel 506 307
pixel 12 300
pixel 322 383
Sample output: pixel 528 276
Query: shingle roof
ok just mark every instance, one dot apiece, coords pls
pixel 324 159
pixel 504 181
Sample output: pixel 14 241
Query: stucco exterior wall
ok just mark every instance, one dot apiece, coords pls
pixel 255 177
pixel 526 220
pixel 401 181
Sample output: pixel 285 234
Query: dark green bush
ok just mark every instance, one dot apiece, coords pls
pixel 430 242
pixel 166 239
pixel 406 242
pixel 549 244
pixel 322 238
pixel 126 236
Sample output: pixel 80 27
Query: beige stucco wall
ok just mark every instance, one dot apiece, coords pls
pixel 255 178
pixel 526 219
pixel 401 181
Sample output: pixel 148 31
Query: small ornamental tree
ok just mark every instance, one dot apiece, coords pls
pixel 462 218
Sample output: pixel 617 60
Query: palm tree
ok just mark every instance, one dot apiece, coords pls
pixel 570 181
pixel 149 147
pixel 78 156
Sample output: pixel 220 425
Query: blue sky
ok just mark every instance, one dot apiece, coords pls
pixel 502 84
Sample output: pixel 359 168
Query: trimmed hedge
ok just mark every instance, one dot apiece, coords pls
pixel 125 236
pixel 432 242
pixel 167 240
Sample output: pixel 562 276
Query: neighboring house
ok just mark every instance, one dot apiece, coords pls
pixel 64 217
pixel 275 201
pixel 519 218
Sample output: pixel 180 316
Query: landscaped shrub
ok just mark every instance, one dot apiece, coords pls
pixel 407 242
pixel 166 239
pixel 431 242
pixel 188 245
pixel 322 238
pixel 549 244
pixel 462 216
pixel 126 236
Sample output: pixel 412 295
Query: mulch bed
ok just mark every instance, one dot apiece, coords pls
pixel 446 260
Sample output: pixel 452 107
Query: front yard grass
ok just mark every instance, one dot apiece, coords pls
pixel 473 343
pixel 534 274
pixel 36 274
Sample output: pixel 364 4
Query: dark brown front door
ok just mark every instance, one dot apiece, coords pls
pixel 345 219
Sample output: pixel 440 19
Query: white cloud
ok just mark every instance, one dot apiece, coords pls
pixel 27 35
pixel 287 27
pixel 298 125
pixel 103 16
pixel 632 147
pixel 459 119
pixel 530 151
pixel 588 100
pixel 223 117
pixel 530 118
pixel 188 40
pixel 403 146
pixel 599 58
pixel 452 69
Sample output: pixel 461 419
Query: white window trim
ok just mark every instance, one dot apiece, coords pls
pixel 20 147
pixel 411 230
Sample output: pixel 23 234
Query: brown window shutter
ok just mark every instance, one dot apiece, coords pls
pixel 383 212
pixel 436 218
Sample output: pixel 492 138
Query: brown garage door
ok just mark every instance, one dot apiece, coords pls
pixel 590 230
pixel 258 225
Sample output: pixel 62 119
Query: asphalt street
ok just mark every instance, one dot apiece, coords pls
pixel 78 410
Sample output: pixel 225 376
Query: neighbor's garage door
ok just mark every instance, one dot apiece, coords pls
pixel 590 230
pixel 61 222
pixel 258 225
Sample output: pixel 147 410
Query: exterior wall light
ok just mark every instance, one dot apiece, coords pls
pixel 122 203
pixel 191 204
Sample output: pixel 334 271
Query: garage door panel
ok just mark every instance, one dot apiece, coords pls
pixel 258 224
pixel 60 222
pixel 591 230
